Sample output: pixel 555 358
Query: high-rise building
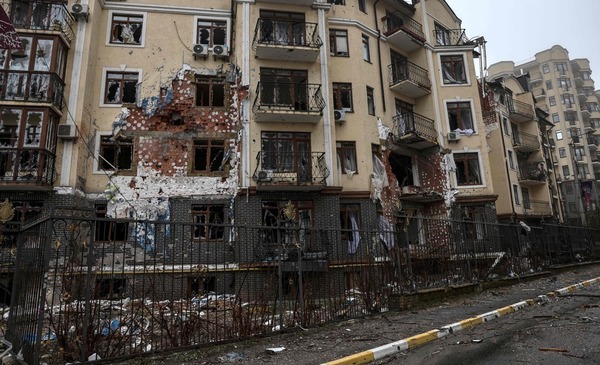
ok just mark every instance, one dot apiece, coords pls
pixel 564 89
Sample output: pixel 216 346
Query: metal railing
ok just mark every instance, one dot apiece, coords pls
pixel 284 97
pixel 32 86
pixel 74 295
pixel 407 123
pixel 527 141
pixel 532 171
pixel 27 166
pixel 41 15
pixel 399 21
pixel 296 168
pixel 450 37
pixel 540 207
pixel 408 71
pixel 286 33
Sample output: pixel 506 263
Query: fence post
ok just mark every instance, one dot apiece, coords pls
pixel 90 288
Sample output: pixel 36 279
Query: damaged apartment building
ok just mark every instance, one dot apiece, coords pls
pixel 240 112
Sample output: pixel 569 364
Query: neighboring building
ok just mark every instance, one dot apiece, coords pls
pixel 563 88
pixel 359 115
pixel 520 151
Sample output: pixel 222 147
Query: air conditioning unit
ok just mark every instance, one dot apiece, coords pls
pixel 339 115
pixel 80 11
pixel 264 175
pixel 66 132
pixel 220 51
pixel 453 136
pixel 200 49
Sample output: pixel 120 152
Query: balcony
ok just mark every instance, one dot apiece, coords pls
pixel 291 171
pixel 552 143
pixel 532 173
pixel 450 37
pixel 539 94
pixel 538 207
pixel 413 193
pixel 535 77
pixel 592 143
pixel 41 17
pixel 520 111
pixel 32 87
pixel 403 32
pixel 582 97
pixel 286 40
pixel 414 131
pixel 26 169
pixel 409 79
pixel 288 102
pixel 525 142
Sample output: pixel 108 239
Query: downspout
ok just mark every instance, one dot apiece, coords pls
pixel 67 159
pixel 323 55
pixel 379 54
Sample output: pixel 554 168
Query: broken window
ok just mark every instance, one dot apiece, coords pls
pixel 201 285
pixel 115 154
pixel 126 29
pixel 467 169
pixel 338 43
pixel 120 87
pixel 342 96
pixel 208 155
pixel 110 288
pixel 287 152
pixel 283 28
pixel 370 101
pixel 210 91
pixel 402 167
pixel 285 230
pixel 208 222
pixel 284 88
pixel 109 231
pixel 211 32
pixel 346 155
pixel 350 225
pixel 337 2
pixel 442 35
pixel 460 116
pixel 453 69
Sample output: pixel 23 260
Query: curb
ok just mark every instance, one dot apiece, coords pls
pixel 380 352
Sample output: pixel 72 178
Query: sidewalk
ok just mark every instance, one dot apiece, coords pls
pixel 325 344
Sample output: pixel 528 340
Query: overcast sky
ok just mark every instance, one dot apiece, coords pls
pixel 515 30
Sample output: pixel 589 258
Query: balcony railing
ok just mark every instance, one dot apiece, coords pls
pixel 532 173
pixel 32 86
pixel 525 142
pixel 414 130
pixel 398 22
pixel 31 166
pixel 402 71
pixel 41 15
pixel 286 33
pixel 291 169
pixel 450 37
pixel 294 98
pixel 520 111
pixel 539 207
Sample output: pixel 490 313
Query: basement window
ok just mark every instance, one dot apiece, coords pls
pixel 110 288
pixel 114 154
pixel 210 91
pixel 109 231
pixel 209 222
pixel 208 155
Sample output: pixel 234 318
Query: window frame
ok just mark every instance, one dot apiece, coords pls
pixel 477 153
pixel 213 19
pixel 366 48
pixel 511 160
pixel 467 79
pixel 346 147
pixel 211 81
pixel 562 152
pixel 551 100
pixel 113 226
pixel 109 28
pixel 516 198
pixel 333 36
pixel 362 6
pixel 212 143
pixel 338 89
pixel 371 101
pixel 447 103
pixel 98 147
pixel 208 211
pixel 545 68
pixel 105 72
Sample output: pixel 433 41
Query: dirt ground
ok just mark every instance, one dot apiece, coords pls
pixel 327 343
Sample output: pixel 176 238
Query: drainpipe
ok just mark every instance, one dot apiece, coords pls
pixel 324 59
pixel 67 159
pixel 379 54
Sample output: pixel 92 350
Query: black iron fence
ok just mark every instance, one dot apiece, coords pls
pixel 397 21
pixel 78 296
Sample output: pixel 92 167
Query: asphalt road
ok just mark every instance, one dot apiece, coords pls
pixel 565 330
